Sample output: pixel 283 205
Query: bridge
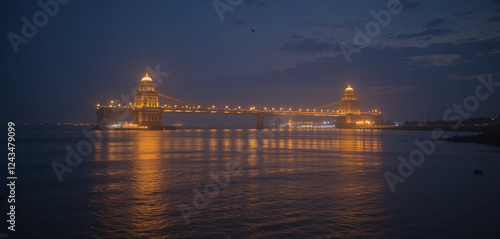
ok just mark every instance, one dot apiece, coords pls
pixel 149 105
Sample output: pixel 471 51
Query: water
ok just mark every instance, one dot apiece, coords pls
pixel 304 183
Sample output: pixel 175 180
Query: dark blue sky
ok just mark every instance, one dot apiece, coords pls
pixel 427 58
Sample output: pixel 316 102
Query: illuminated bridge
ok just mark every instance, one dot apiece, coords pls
pixel 149 105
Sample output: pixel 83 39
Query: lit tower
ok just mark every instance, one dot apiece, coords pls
pixel 146 95
pixel 349 103
pixel 147 111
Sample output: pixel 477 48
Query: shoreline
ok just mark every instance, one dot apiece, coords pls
pixel 484 138
pixel 488 135
pixel 480 129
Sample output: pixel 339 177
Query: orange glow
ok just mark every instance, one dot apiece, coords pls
pixel 146 78
pixel 349 88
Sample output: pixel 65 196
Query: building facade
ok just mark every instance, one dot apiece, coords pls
pixel 349 104
pixel 353 117
pixel 146 110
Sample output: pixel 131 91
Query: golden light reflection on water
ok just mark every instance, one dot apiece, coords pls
pixel 146 213
pixel 141 171
pixel 133 205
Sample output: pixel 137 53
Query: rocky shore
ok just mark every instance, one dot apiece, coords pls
pixel 490 136
pixel 484 138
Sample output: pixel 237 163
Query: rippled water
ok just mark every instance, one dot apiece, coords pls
pixel 304 183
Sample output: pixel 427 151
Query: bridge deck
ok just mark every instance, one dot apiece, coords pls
pixel 253 112
pixel 233 111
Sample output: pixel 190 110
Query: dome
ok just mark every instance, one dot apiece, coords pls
pixel 348 88
pixel 146 78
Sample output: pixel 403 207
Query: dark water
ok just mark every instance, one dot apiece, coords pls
pixel 303 183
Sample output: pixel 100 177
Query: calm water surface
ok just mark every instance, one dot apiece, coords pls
pixel 304 183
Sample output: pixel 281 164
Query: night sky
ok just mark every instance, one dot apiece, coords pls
pixel 426 59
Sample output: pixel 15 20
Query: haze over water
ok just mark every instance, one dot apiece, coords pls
pixel 305 183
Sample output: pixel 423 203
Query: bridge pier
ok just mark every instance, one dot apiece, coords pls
pixel 148 116
pixel 260 121
pixel 106 116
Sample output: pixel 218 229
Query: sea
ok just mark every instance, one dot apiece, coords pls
pixel 248 183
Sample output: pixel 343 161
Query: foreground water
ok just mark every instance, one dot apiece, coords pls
pixel 302 183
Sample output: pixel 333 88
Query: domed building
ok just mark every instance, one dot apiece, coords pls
pixel 351 115
pixel 349 103
pixel 147 111
pixel 146 95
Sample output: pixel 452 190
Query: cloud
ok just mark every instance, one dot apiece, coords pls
pixel 249 2
pixel 312 23
pixel 460 77
pixel 430 32
pixel 434 60
pixel 238 23
pixel 491 52
pixel 465 40
pixel 386 90
pixel 332 39
pixel 351 24
pixel 408 4
pixel 260 4
pixel 434 23
pixel 461 14
pixel 494 51
pixel 469 77
pixel 494 19
pixel 296 36
pixel 308 45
